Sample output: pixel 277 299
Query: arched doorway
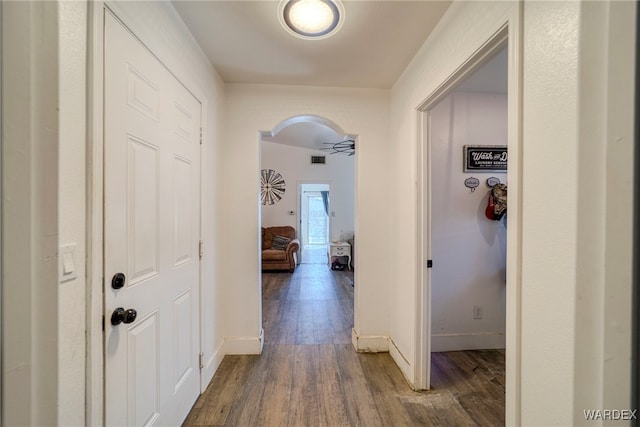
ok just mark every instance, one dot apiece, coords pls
pixel 301 149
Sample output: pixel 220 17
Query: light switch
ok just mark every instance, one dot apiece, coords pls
pixel 67 256
pixel 67 264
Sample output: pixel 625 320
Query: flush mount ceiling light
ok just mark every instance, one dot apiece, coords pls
pixel 311 19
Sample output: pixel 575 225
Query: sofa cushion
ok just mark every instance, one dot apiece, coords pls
pixel 280 242
pixel 268 233
pixel 274 255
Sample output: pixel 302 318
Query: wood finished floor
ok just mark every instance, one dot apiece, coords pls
pixel 310 375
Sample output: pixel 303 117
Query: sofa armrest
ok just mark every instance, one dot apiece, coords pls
pixel 292 247
pixel 292 253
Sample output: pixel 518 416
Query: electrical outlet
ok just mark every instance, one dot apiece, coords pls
pixel 477 312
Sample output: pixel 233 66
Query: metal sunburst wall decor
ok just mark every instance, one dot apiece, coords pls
pixel 271 186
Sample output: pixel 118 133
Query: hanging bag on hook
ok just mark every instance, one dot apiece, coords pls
pixel 499 195
pixel 490 208
pixel 497 205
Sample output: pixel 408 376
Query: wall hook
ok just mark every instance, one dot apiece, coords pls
pixel 492 181
pixel 471 183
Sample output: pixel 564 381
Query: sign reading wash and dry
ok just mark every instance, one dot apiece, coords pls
pixel 485 158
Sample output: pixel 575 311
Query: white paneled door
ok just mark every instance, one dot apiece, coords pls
pixel 151 236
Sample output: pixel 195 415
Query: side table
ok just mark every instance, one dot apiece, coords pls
pixel 337 249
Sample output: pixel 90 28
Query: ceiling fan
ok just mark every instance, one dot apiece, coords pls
pixel 348 147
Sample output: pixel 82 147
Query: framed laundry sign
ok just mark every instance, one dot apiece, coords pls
pixel 485 158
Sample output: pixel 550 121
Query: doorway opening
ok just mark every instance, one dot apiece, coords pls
pixel 315 222
pixel 494 303
pixel 466 127
pixel 318 201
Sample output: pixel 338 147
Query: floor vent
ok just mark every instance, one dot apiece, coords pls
pixel 318 160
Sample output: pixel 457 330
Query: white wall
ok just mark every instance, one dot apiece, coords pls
pixel 160 28
pixel 580 105
pixel 255 108
pixel 30 200
pixel 554 188
pixel 620 24
pixel 469 250
pixel 562 353
pixel 464 27
pixel 72 321
pixel 294 164
pixel 550 122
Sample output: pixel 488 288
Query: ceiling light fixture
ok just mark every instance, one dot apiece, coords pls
pixel 311 19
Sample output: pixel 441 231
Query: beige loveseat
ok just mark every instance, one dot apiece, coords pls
pixel 279 248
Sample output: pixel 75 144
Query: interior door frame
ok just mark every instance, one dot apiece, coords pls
pixel 1 227
pixel 635 329
pixel 509 33
pixel 95 380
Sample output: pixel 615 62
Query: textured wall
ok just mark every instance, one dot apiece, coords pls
pixel 463 29
pixel 30 149
pixel 72 298
pixel 158 25
pixel 256 108
pixel 574 334
pixel 550 141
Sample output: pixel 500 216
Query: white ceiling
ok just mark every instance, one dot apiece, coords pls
pixel 306 134
pixel 246 43
pixel 310 133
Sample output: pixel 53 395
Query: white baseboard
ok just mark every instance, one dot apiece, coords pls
pixel 369 343
pixel 402 362
pixel 244 345
pixel 211 366
pixel 383 344
pixel 472 341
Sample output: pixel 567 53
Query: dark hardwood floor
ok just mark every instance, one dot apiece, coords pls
pixel 310 375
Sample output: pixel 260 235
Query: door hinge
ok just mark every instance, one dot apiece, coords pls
pixel 201 357
pixel 201 248
pixel 429 263
pixel 201 136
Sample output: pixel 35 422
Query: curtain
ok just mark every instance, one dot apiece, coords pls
pixel 325 200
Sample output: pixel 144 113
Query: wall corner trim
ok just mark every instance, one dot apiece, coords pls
pixel 384 344
pixel 211 366
pixel 403 363
pixel 369 343
pixel 243 345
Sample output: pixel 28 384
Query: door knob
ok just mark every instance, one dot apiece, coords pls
pixel 120 315
pixel 117 281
